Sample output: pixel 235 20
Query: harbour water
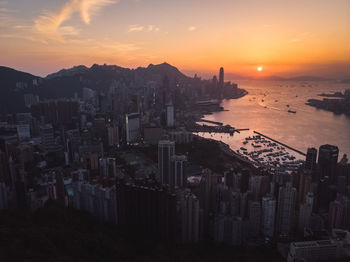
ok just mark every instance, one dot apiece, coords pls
pixel 265 109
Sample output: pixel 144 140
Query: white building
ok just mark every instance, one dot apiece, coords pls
pixel 314 251
pixel 179 171
pixel 23 131
pixel 99 201
pixel 181 137
pixel 170 119
pixel 133 131
pixel 30 99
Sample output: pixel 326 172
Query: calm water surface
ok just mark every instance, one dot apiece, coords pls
pixel 265 110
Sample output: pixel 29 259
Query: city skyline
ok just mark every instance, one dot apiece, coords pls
pixel 242 36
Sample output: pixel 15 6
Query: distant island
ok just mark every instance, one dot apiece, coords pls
pixel 340 104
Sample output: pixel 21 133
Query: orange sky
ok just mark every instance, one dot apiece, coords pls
pixel 289 37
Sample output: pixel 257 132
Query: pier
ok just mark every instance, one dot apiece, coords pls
pixel 282 144
pixel 211 122
pixel 215 129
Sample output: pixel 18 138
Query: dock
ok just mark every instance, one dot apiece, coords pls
pixel 282 144
pixel 211 122
pixel 215 129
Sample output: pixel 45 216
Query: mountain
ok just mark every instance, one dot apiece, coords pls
pixel 151 72
pixel 13 85
pixel 67 82
pixel 154 71
pixel 69 72
pixel 8 76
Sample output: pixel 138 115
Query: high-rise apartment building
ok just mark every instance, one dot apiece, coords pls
pixel 133 129
pixel 311 158
pixel 327 161
pixel 268 216
pixel 166 151
pixel 286 210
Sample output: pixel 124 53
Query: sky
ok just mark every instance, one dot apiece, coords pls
pixel 284 37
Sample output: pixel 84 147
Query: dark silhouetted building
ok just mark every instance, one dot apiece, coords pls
pixel 327 161
pixel 147 212
pixel 166 150
pixel 56 112
pixel 286 210
pixel 221 78
pixel 311 157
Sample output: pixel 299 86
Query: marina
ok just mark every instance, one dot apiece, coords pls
pixel 262 151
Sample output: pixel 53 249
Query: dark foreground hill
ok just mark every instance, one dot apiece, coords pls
pixel 54 233
pixel 57 234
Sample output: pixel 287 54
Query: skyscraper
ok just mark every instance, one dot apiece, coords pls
pixel 327 160
pixel 311 157
pixel 304 185
pixel 179 171
pixel 254 218
pixel 166 150
pixel 286 210
pixel 304 217
pixel 221 82
pixel 170 115
pixel 190 218
pixel 48 139
pixel 336 213
pixel 133 132
pixel 221 77
pixel 268 216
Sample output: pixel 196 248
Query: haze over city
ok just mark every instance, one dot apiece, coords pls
pixel 285 38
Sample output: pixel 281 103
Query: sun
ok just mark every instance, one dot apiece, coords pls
pixel 259 68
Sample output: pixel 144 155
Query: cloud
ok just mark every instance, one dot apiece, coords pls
pixel 23 37
pixel 135 28
pixel 139 28
pixel 89 8
pixel 192 28
pixel 49 23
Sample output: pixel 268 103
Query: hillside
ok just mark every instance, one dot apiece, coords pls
pixel 57 234
pixel 67 82
pixel 13 85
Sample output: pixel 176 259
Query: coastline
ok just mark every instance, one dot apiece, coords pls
pixel 212 109
pixel 337 102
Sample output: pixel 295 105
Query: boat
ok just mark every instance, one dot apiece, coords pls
pixel 287 105
pixel 244 149
pixel 291 111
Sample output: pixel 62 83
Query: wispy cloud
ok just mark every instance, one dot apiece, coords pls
pixel 49 24
pixel 139 28
pixel 6 15
pixel 192 28
pixel 136 28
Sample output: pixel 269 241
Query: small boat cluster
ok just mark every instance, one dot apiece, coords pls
pixel 268 154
